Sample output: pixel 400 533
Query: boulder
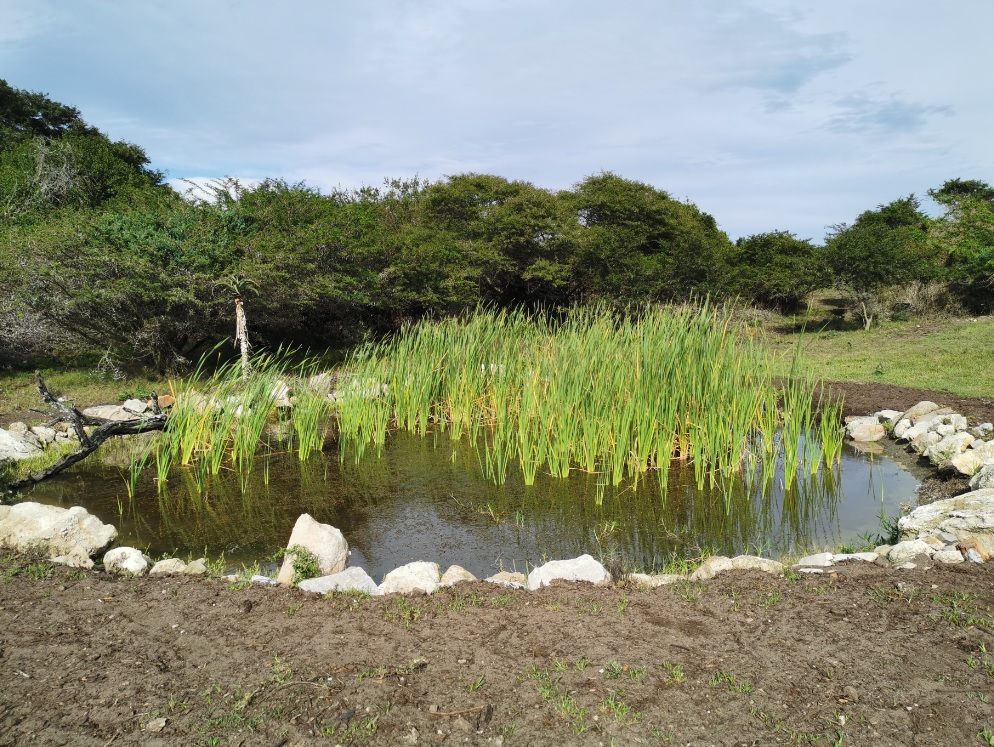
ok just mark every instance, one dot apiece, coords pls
pixel 165 401
pixel 756 563
pixel 984 479
pixel 970 461
pixel 888 417
pixel 900 428
pixel 135 406
pixel 414 577
pixel 583 568
pixel 196 567
pixel 70 533
pixel 922 408
pixel 924 441
pixel 818 560
pixel 864 557
pixel 126 561
pixel 351 579
pixel 984 430
pixel 508 578
pixel 110 412
pixel 865 429
pixel 711 567
pixel 908 550
pixel 14 446
pixel 44 434
pixel 166 567
pixel 454 574
pixel 948 447
pixel 325 542
pixel 968 517
pixel 948 556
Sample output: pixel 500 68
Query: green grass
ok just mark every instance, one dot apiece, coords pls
pixel 944 356
pixel 616 396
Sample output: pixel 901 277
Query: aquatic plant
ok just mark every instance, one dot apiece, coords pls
pixel 598 391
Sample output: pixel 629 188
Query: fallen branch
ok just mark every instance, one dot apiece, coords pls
pixel 88 442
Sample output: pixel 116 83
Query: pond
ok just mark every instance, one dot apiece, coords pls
pixel 422 500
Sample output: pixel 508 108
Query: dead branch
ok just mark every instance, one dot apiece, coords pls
pixel 88 442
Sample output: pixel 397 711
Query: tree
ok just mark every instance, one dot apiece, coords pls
pixel 635 243
pixel 884 247
pixel 965 238
pixel 776 269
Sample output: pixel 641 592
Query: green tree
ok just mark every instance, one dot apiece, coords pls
pixel 964 236
pixel 884 247
pixel 776 269
pixel 636 243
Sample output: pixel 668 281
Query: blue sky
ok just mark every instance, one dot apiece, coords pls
pixel 768 114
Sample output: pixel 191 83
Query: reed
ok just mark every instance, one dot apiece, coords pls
pixel 601 392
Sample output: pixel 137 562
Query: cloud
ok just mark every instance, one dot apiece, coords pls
pixel 859 113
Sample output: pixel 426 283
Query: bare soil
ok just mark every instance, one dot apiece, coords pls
pixel 859 655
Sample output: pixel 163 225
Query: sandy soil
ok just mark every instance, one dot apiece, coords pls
pixel 861 656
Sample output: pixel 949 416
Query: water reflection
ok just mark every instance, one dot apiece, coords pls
pixel 422 501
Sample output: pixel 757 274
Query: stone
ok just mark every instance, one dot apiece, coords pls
pixel 196 567
pixel 905 551
pixel 71 533
pixel 655 580
pixel 818 560
pixel 583 568
pixel 900 428
pixel 454 574
pixel 711 567
pixel 984 430
pixel 166 567
pixel 73 562
pixel 968 517
pixel 135 406
pixel 984 479
pixel 922 408
pixel 865 429
pixel 126 561
pixel 922 442
pixel 110 412
pixel 165 401
pixel 156 725
pixel 974 557
pixel 948 556
pixel 414 577
pixel 948 447
pixel 44 434
pixel 888 417
pixel 864 557
pixel 14 446
pixel 324 541
pixel 509 578
pixel 936 543
pixel 351 579
pixel 972 545
pixel 971 461
pixel 756 563
pixel 263 580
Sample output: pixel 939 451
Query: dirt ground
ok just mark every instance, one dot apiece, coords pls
pixel 861 656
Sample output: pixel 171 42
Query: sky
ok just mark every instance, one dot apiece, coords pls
pixel 791 115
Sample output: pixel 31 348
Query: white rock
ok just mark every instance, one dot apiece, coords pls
pixel 263 580
pixel 351 579
pixel 948 556
pixel 653 581
pixel 44 434
pixel 922 408
pixel 196 567
pixel 904 551
pixel 135 406
pixel 958 421
pixel 865 557
pixel 325 542
pixel 865 429
pixel 72 533
pixel 109 412
pixel 818 560
pixel 73 562
pixel 900 428
pixel 167 567
pixel 583 568
pixel 984 479
pixel 968 517
pixel 948 447
pixel 970 461
pixel 712 567
pixel 414 577
pixel 923 441
pixel 973 556
pixel 888 417
pixel 508 578
pixel 984 430
pixel 126 560
pixel 16 447
pixel 756 563
pixel 454 574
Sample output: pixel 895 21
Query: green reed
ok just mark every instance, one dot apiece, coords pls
pixel 617 395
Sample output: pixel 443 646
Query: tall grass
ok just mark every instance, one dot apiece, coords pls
pixel 615 395
pixel 221 419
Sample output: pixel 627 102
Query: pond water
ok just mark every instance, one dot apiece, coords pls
pixel 426 501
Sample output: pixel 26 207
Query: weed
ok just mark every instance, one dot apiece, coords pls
pixel 986 736
pixel 622 606
pixel 294 609
pixel 502 600
pixel 477 684
pixel 771 599
pixel 282 670
pixel 582 663
pixel 674 674
pixel 614 669
pixel 404 612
